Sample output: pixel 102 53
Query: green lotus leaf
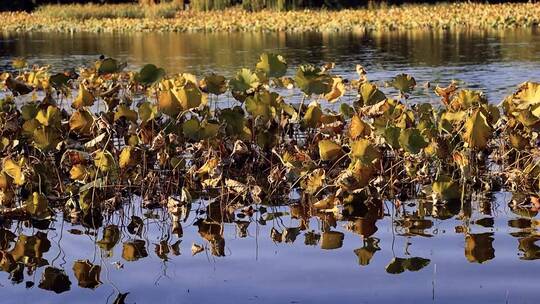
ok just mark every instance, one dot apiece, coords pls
pixel 391 136
pixel 104 161
pixel 329 150
pixel 215 84
pixel 49 117
pixel 244 81
pixel 445 188
pixel 403 82
pixel 195 130
pixel 46 138
pixel 148 111
pixel 29 111
pixel 109 66
pixel 364 151
pixel 263 104
pixel 313 81
pixel 412 140
pixel 272 65
pixel 370 95
pixel 312 117
pixel 191 128
pixel 346 110
pixel 149 74
pixel 190 96
pixel 59 80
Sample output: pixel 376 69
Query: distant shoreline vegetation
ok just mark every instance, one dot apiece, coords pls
pixel 170 17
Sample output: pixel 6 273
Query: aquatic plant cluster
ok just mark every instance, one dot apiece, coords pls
pixel 90 140
pixel 440 16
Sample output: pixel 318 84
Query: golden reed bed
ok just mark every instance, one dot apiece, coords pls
pixel 442 16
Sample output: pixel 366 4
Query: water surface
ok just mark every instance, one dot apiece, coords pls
pixel 482 251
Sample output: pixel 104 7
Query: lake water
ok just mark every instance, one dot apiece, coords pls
pixel 482 251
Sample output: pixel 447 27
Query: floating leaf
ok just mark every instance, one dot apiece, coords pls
pixel 134 250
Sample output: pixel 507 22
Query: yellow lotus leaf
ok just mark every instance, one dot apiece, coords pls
pixel 477 130
pixel 14 170
pixel 81 121
pixel 84 99
pixel 329 150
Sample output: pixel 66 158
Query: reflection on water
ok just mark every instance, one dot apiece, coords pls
pixel 496 60
pixel 249 254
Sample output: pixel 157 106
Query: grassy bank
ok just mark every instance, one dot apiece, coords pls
pixel 441 16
